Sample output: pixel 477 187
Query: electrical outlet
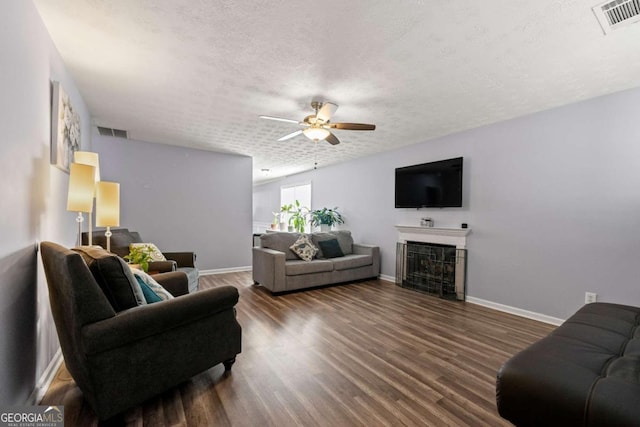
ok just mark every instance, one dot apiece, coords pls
pixel 590 297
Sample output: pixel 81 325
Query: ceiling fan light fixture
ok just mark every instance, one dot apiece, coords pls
pixel 316 133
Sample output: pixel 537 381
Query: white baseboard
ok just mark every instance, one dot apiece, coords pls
pixel 45 380
pixel 225 270
pixel 473 300
pixel 517 311
pixel 386 278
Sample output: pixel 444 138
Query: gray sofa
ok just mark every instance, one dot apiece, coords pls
pixel 279 269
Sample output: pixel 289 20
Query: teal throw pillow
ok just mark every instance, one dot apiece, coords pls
pixel 330 248
pixel 149 295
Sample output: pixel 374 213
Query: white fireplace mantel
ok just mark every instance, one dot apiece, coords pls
pixel 444 236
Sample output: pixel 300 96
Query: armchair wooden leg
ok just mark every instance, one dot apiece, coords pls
pixel 228 363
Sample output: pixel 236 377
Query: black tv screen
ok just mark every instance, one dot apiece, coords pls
pixel 430 185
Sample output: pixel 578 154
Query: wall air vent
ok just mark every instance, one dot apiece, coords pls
pixel 112 132
pixel 616 14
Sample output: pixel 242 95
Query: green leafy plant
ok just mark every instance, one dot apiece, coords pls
pixel 326 216
pixel 285 209
pixel 140 255
pixel 298 217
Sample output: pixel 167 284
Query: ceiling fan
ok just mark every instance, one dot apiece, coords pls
pixel 317 125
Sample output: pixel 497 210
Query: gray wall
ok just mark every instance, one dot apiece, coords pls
pixel 553 200
pixel 183 199
pixel 33 195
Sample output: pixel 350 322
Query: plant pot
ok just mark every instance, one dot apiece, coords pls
pixel 283 226
pixel 274 226
pixel 325 228
pixel 291 229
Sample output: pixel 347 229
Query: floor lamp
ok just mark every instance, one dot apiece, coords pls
pixel 80 196
pixel 89 158
pixel 107 207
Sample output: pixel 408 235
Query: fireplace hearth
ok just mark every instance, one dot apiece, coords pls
pixel 437 269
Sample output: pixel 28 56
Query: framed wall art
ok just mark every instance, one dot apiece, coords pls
pixel 65 128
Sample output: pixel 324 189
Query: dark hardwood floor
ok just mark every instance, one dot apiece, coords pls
pixel 366 354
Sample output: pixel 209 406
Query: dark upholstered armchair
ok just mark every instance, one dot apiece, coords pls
pixel 176 261
pixel 119 359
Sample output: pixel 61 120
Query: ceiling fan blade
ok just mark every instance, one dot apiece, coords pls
pixel 352 126
pixel 279 119
pixel 291 135
pixel 331 139
pixel 326 111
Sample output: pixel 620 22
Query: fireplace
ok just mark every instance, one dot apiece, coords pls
pixel 432 260
pixel 431 268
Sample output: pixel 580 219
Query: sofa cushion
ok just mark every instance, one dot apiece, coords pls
pixel 330 248
pixel 304 248
pixel 581 373
pixel 113 276
pixel 280 241
pixel 352 261
pixel 120 241
pixel 298 267
pixel 344 240
pixel 193 275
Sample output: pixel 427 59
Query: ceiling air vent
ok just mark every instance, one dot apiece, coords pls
pixel 112 132
pixel 616 14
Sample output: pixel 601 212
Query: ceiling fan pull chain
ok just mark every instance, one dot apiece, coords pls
pixel 315 155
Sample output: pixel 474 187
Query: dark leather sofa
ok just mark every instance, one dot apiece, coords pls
pixel 585 373
pixel 123 354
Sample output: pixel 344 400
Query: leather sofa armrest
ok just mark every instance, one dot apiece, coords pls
pixel 176 282
pixel 183 259
pixel 162 266
pixel 269 268
pixel 145 321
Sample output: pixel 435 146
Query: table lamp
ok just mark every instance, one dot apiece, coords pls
pixel 89 158
pixel 108 207
pixel 80 195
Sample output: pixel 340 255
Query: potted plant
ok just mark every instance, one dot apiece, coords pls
pixel 326 218
pixel 298 217
pixel 284 210
pixel 276 220
pixel 140 255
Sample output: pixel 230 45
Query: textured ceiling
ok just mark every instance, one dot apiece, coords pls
pixel 198 73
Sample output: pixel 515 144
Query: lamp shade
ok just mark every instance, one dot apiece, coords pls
pixel 82 182
pixel 107 204
pixel 316 133
pixel 88 158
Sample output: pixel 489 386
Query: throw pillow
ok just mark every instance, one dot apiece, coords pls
pixel 154 286
pixel 149 295
pixel 330 248
pixel 114 277
pixel 304 248
pixel 152 249
pixel 344 240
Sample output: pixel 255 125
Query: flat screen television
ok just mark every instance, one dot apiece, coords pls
pixel 430 185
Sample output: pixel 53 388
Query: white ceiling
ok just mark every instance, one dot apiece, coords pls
pixel 198 73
